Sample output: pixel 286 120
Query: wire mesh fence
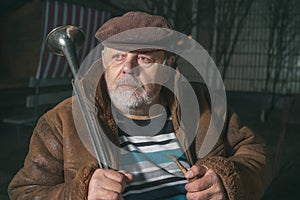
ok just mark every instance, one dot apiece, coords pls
pixel 266 57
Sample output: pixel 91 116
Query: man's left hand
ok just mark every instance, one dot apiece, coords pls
pixel 207 186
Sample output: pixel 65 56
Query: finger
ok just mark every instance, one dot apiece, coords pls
pixel 128 176
pixel 114 175
pixel 196 171
pixel 203 195
pixel 102 193
pixel 211 193
pixel 109 180
pixel 113 185
pixel 200 184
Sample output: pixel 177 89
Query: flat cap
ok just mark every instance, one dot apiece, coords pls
pixel 128 21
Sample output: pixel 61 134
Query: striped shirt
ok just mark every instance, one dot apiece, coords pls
pixel 144 154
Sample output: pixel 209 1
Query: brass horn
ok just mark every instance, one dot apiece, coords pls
pixel 63 41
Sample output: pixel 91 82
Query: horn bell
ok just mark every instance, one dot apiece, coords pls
pixel 61 36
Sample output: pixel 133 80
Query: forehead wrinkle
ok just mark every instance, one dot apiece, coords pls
pixel 138 51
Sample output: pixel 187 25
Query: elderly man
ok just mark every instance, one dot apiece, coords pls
pixel 58 165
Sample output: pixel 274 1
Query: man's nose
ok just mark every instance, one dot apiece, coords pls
pixel 129 65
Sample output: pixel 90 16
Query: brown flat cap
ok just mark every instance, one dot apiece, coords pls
pixel 128 21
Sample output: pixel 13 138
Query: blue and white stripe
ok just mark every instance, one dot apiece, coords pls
pixel 156 176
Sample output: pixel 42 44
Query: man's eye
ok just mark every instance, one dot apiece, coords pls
pixel 118 57
pixel 144 60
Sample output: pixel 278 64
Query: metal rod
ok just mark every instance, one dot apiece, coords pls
pixel 62 41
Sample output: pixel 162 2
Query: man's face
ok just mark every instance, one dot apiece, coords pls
pixel 131 77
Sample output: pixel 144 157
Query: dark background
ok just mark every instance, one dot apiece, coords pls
pixel 272 112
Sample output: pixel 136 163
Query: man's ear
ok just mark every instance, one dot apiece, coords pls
pixel 103 58
pixel 170 62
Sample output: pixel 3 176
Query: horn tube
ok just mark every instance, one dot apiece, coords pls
pixel 63 41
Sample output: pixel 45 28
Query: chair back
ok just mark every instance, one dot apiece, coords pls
pixel 52 81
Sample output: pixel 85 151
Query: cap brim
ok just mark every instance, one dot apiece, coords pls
pixel 148 38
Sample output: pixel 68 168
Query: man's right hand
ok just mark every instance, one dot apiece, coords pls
pixel 108 184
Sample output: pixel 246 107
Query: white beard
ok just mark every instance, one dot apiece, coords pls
pixel 130 100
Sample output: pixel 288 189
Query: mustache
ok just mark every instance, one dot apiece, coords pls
pixel 128 80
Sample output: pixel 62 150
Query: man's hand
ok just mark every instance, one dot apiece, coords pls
pixel 108 184
pixel 208 186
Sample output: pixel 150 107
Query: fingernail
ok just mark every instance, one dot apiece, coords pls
pixel 189 174
pixel 122 171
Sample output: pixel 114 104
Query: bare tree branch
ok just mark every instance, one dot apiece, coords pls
pixel 230 17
